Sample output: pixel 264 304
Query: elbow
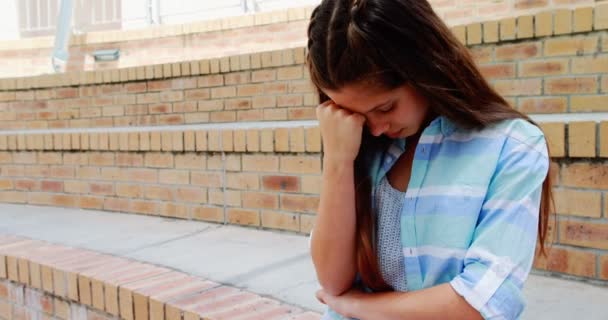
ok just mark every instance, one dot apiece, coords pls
pixel 334 279
pixel 335 288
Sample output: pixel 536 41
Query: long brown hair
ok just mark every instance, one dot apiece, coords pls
pixel 397 42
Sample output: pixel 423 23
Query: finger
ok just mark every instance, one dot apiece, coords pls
pixel 359 118
pixel 327 102
pixel 319 296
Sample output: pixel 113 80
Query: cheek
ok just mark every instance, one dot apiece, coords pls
pixel 406 114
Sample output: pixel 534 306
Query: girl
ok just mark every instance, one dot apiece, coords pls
pixel 435 190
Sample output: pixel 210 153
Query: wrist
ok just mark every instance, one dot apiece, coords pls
pixel 338 160
pixel 354 307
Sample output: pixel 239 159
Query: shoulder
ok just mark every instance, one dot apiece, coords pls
pixel 523 135
pixel 510 135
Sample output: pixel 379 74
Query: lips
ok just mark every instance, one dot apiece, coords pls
pixel 392 134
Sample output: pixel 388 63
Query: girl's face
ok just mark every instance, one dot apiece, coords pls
pixel 397 113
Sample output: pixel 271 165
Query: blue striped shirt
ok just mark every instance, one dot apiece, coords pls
pixel 471 211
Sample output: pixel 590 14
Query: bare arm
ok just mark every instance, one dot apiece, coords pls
pixel 333 243
pixel 439 302
pixel 333 238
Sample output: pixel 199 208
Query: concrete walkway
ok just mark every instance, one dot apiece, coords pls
pixel 269 263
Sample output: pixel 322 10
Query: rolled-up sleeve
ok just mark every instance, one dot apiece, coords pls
pixel 501 253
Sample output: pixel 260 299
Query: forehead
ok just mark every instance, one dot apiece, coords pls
pixel 360 97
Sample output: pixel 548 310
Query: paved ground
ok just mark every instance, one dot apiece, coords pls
pixel 268 263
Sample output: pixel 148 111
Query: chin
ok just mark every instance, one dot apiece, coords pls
pixel 403 133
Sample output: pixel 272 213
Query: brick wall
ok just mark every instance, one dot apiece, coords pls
pixel 262 86
pixel 178 141
pixel 266 177
pixel 44 281
pixel 21 302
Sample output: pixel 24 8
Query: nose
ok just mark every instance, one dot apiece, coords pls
pixel 378 129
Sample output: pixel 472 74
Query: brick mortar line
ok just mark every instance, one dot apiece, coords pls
pixel 245 125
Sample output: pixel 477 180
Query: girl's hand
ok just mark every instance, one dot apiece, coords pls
pixel 341 132
pixel 345 304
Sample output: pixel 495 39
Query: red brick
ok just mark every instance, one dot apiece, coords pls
pixel 143 175
pixel 145 207
pixel 190 161
pixel 51 186
pixel 242 181
pixel 519 87
pixel 24 157
pixel 159 85
pixel 544 68
pixel 243 217
pixel 275 88
pixel 102 188
pixel 237 78
pixel 571 85
pixel 193 195
pixel 129 160
pixel 101 159
pixel 570 261
pixel 171 119
pixel 62 172
pixel 116 204
pixel 173 177
pixel 300 164
pixel 515 52
pixel 604 267
pixel 237 104
pixel 211 81
pixel 281 183
pixel 206 179
pixel 261 163
pixel 214 214
pixel 197 94
pixel 543 105
pixel 585 175
pixel 158 160
pixel 28 185
pixel 497 71
pixel 87 202
pixel 279 220
pixel 298 203
pixel 159 108
pixel 305 113
pixel 158 193
pixel 266 75
pixel 260 200
pixel 584 234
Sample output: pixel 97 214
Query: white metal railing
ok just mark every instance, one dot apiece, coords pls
pixel 39 17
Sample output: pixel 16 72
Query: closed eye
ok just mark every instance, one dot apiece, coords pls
pixel 387 108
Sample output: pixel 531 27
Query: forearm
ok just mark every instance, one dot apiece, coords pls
pixel 333 240
pixel 439 302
